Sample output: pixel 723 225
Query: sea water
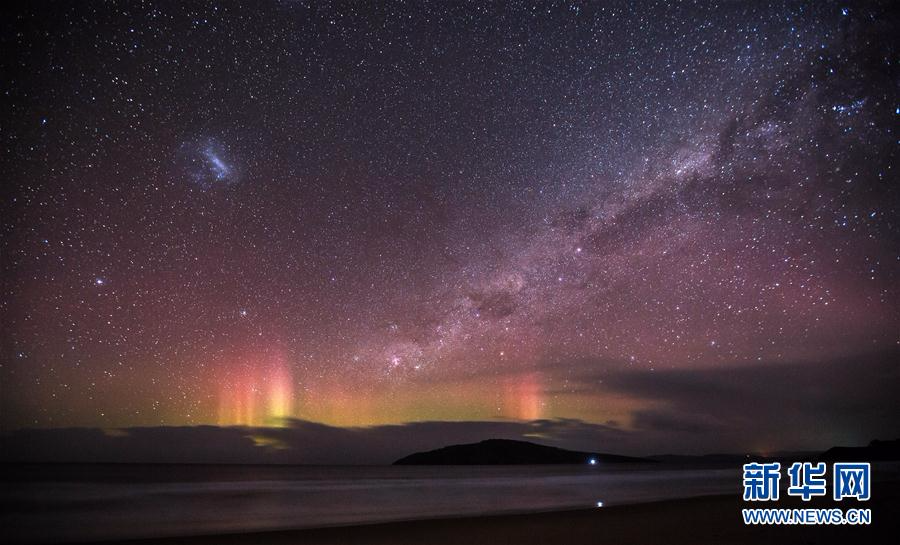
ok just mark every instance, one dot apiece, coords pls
pixel 60 503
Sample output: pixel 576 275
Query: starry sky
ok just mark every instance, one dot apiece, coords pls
pixel 593 215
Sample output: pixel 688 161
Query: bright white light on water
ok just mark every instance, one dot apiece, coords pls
pixel 592 461
pixel 599 504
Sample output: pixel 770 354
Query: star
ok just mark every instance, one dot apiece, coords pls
pixel 551 211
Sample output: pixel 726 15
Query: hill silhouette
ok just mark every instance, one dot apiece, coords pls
pixel 510 452
pixel 875 451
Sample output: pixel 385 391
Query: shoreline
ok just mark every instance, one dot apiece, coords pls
pixel 702 519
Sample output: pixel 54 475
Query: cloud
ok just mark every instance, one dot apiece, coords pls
pixel 761 407
pixel 299 442
pixel 804 405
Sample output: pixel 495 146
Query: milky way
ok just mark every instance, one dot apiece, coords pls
pixel 379 215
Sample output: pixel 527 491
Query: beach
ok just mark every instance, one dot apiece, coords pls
pixel 709 519
pixel 107 502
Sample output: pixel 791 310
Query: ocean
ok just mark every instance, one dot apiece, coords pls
pixel 65 503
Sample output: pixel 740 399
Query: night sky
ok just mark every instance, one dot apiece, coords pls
pixel 601 215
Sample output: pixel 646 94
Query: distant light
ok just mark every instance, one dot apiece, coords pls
pixel 99 281
pixel 599 504
pixel 592 461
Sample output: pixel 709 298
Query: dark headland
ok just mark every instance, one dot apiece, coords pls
pixel 509 452
pixel 875 451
